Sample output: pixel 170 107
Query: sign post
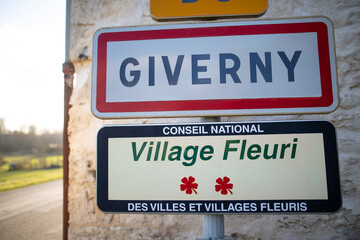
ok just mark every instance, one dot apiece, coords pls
pixel 219 168
pixel 213 224
pixel 245 68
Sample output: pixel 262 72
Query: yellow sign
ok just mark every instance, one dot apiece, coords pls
pixel 165 9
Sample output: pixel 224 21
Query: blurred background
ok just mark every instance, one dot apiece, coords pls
pixel 32 40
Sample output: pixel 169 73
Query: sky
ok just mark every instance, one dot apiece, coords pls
pixel 32 51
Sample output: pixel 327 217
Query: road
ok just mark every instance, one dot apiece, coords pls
pixel 33 212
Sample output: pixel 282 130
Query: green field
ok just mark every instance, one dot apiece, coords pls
pixel 31 170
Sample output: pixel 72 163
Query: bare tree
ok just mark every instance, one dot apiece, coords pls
pixel 2 160
pixel 2 126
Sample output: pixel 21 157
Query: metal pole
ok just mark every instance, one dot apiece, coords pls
pixel 68 70
pixel 67 30
pixel 213 224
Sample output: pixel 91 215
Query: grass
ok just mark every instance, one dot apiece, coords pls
pixel 10 180
pixel 30 162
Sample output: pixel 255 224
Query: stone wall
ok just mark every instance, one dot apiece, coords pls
pixel 88 222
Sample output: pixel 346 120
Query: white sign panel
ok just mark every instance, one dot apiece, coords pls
pixel 259 67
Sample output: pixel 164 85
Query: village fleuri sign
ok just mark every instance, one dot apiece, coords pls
pixel 226 168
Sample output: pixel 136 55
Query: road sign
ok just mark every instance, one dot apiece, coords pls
pixel 169 9
pixel 253 167
pixel 225 68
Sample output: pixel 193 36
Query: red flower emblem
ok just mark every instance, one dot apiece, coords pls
pixel 188 185
pixel 223 185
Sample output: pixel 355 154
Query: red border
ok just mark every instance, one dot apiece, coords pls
pixel 233 104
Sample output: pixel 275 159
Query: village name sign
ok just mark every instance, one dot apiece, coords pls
pixel 244 68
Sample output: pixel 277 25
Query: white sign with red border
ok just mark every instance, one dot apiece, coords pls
pixel 225 68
